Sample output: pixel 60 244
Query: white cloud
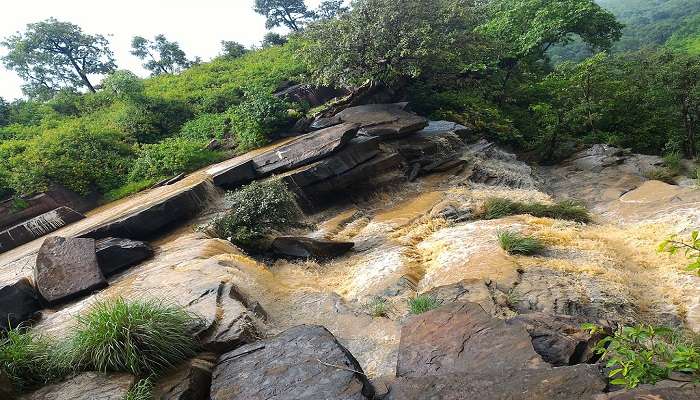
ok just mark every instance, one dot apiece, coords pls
pixel 198 25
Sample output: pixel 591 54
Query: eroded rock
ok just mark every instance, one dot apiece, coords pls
pixel 115 255
pixel 36 227
pixel 383 120
pixel 302 247
pixel 86 386
pixel 302 363
pixel 190 381
pixel 691 392
pixel 18 303
pixel 67 268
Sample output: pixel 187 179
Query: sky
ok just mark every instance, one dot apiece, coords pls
pixel 197 25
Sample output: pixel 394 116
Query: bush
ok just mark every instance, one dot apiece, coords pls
pixel 30 360
pixel 206 127
pixel 661 174
pixel 128 189
pixel 255 211
pixel 378 307
pixel 515 243
pixel 422 303
pixel 495 208
pixel 170 157
pixel 140 337
pixel 258 118
pixel 672 161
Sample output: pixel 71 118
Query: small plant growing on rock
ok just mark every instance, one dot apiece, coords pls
pixel 495 208
pixel 378 307
pixel 142 337
pixel 30 360
pixel 515 243
pixel 661 174
pixel 255 211
pixel 142 390
pixel 422 303
pixel 691 249
pixel 646 354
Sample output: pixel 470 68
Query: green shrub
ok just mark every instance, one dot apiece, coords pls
pixel 142 390
pixel 495 208
pixel 142 337
pixel 255 211
pixel 661 174
pixel 30 360
pixel 206 127
pixel 170 157
pixel 258 118
pixel 515 243
pixel 378 307
pixel 672 161
pixel 128 189
pixel 422 303
pixel 645 354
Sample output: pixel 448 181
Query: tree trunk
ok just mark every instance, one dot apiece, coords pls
pixel 689 125
pixel 82 75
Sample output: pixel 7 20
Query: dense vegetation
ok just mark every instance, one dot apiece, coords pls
pixel 487 65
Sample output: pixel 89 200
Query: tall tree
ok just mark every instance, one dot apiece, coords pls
pixel 4 112
pixel 231 49
pixel 330 9
pixel 292 14
pixel 52 54
pixel 160 56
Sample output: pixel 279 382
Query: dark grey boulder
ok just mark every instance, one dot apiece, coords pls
pixel 67 268
pixel 7 391
pixel 439 128
pixel 18 303
pixel 322 123
pixel 190 381
pixel 302 363
pixel 580 382
pixel 303 247
pixel 305 149
pixel 86 386
pixel 37 227
pixel 115 255
pixel 383 120
pixel 235 176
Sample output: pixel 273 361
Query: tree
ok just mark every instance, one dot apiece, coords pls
pixel 160 55
pixel 52 54
pixel 4 112
pixel 125 85
pixel 292 14
pixel 273 39
pixel 329 9
pixel 231 49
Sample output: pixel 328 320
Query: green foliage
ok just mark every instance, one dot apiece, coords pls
pixel 661 174
pixel 170 157
pixel 646 354
pixel 142 337
pixel 515 243
pixel 142 390
pixel 495 208
pixel 160 55
pixel 128 189
pixel 378 307
pixel 255 211
pixel 124 85
pixel 258 118
pixel 232 50
pixel 207 126
pixel 691 249
pixel 292 14
pixel 422 303
pixel 672 161
pixel 29 360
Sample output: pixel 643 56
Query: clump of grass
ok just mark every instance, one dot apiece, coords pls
pixel 142 390
pixel 142 337
pixel 515 243
pixel 378 307
pixel 661 174
pixel 422 303
pixel 496 207
pixel 30 360
pixel 673 163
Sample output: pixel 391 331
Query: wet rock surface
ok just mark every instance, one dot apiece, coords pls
pixel 86 386
pixel 36 227
pixel 190 381
pixel 18 303
pixel 67 268
pixel 115 255
pixel 690 392
pixel 302 363
pixel 383 120
pixel 303 247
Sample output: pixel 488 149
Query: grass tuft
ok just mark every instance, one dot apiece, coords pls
pixel 30 360
pixel 142 390
pixel 496 207
pixel 378 307
pixel 142 337
pixel 422 303
pixel 515 243
pixel 661 174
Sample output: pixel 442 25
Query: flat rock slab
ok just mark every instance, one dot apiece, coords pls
pixel 463 338
pixel 439 128
pixel 67 268
pixel 383 120
pixel 18 303
pixel 580 382
pixel 305 149
pixel 115 255
pixel 691 392
pixel 235 176
pixel 303 247
pixel 302 363
pixel 37 227
pixel 86 386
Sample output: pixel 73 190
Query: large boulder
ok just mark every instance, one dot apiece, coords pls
pixel 19 302
pixel 235 175
pixel 580 382
pixel 67 268
pixel 305 149
pixel 463 338
pixel 432 149
pixel 302 247
pixel 190 381
pixel 7 391
pixel 37 227
pixel 383 120
pixel 302 363
pixel 115 255
pixel 86 386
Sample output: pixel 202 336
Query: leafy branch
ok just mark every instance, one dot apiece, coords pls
pixel 691 249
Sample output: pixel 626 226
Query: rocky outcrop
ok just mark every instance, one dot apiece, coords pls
pixel 235 176
pixel 18 303
pixel 691 392
pixel 302 363
pixel 383 120
pixel 115 255
pixel 305 149
pixel 302 247
pixel 86 386
pixel 314 96
pixel 190 381
pixel 67 268
pixel 7 391
pixel 495 167
pixel 37 227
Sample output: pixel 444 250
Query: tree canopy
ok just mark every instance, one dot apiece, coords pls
pixel 51 54
pixel 160 55
pixel 292 14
